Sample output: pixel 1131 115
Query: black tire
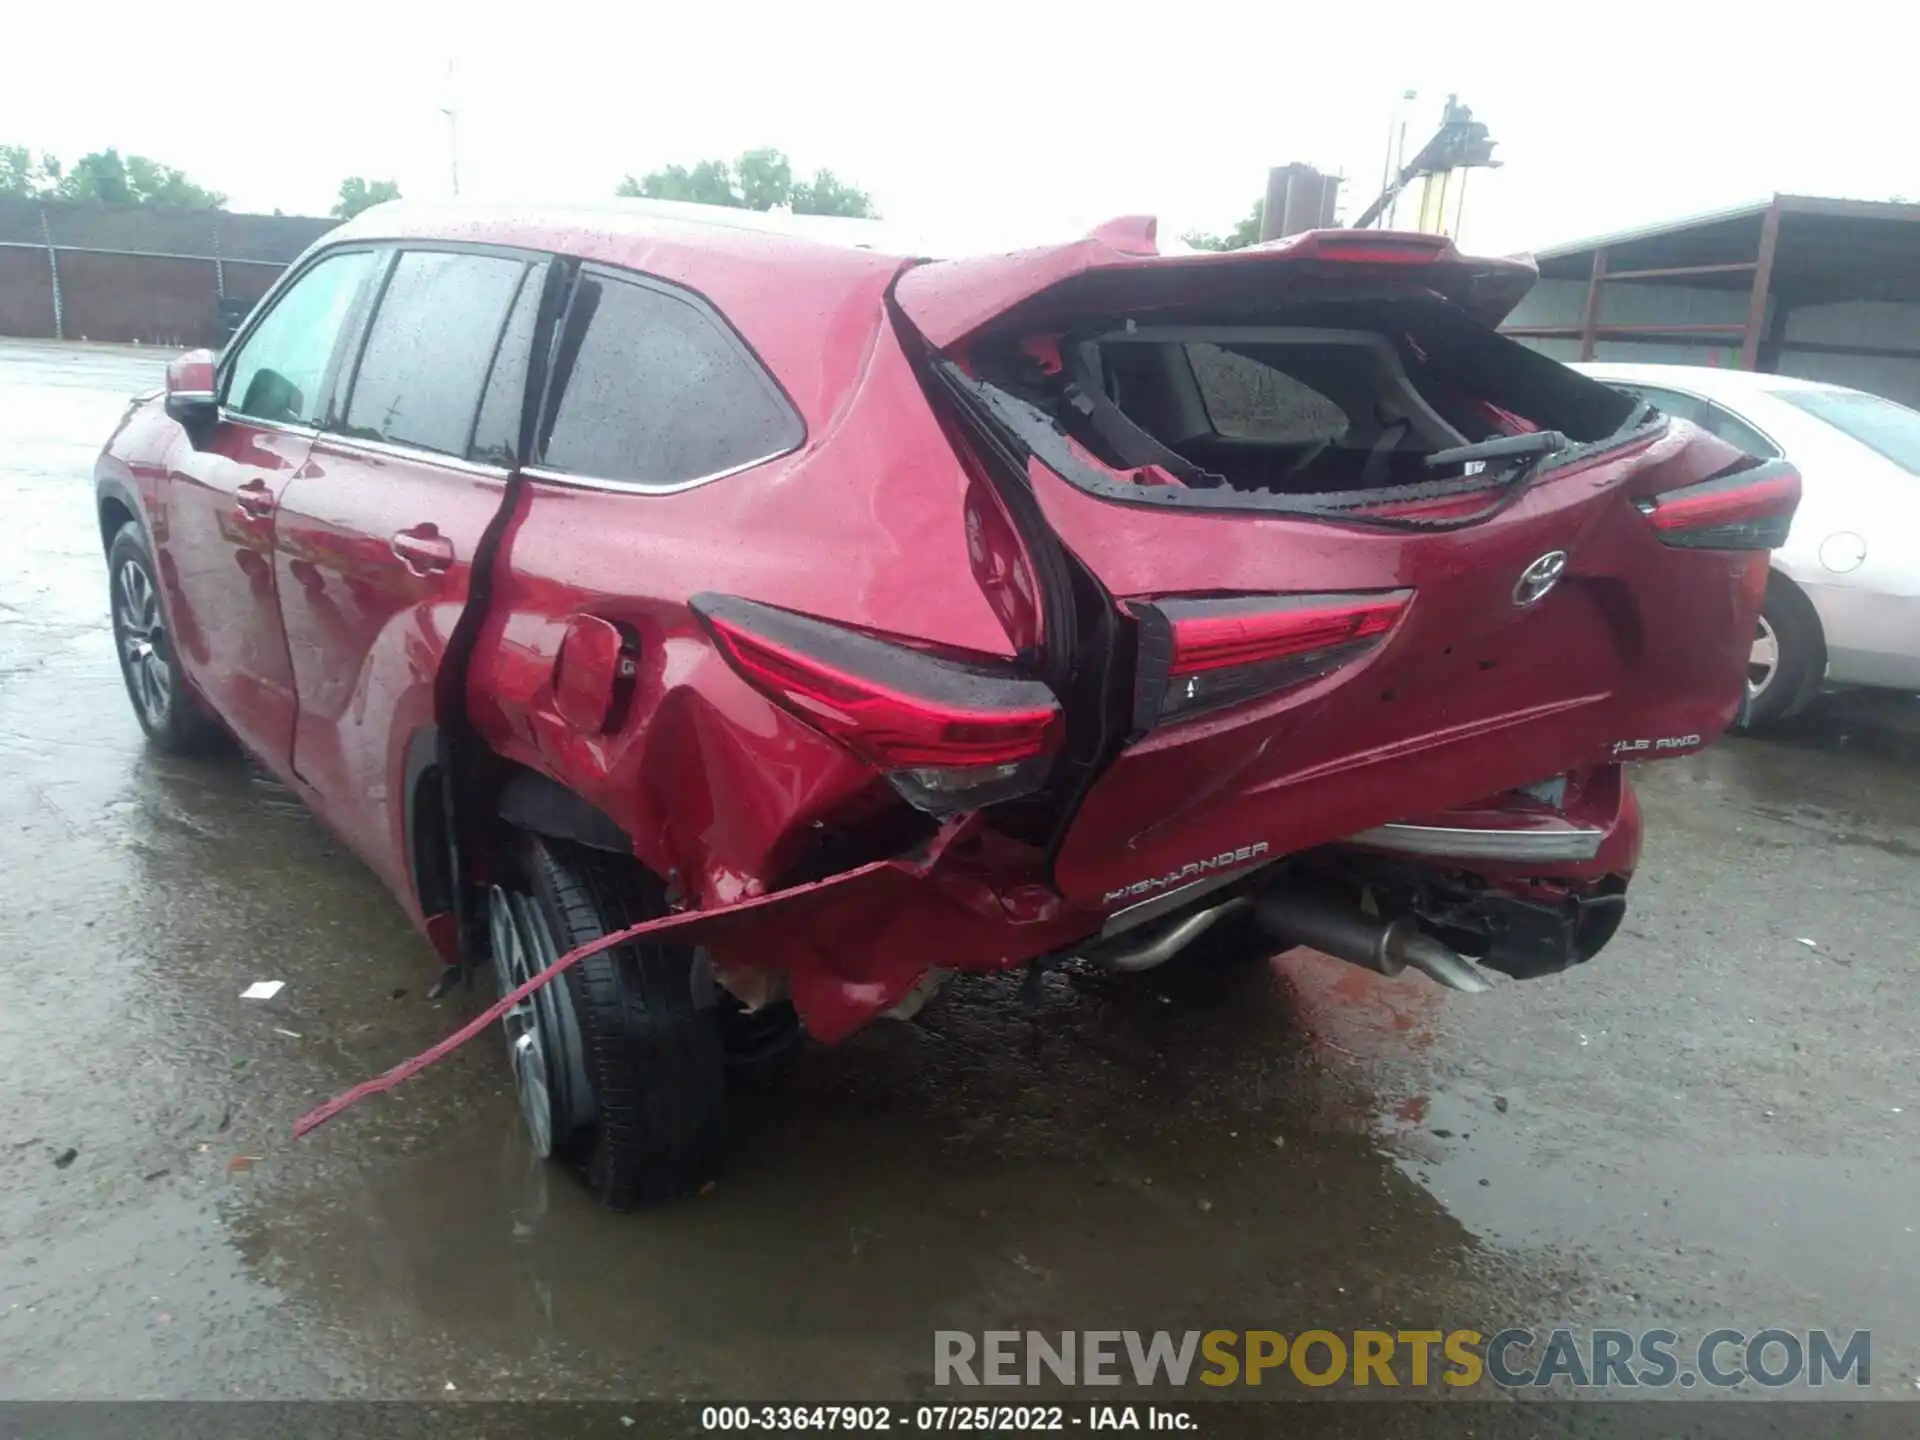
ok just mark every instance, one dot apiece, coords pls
pixel 1800 657
pixel 647 1030
pixel 172 715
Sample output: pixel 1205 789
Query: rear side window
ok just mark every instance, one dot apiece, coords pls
pixel 430 348
pixel 1709 417
pixel 1247 399
pixel 496 434
pixel 280 371
pixel 1876 422
pixel 655 392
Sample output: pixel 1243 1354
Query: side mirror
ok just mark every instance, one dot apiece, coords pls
pixel 190 392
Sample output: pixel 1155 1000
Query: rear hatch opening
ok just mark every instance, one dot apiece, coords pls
pixel 1354 554
pixel 1361 408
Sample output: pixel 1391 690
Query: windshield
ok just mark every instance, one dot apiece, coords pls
pixel 1891 429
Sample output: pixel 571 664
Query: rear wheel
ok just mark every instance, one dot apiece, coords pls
pixel 618 1064
pixel 1787 660
pixel 168 711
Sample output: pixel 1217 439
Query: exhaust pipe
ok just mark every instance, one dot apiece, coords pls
pixel 1385 947
pixel 1160 946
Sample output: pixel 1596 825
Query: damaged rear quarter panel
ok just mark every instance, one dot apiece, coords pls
pixel 719 790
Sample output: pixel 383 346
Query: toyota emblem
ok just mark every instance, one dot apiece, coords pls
pixel 1540 577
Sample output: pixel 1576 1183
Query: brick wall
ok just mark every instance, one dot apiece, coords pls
pixel 143 273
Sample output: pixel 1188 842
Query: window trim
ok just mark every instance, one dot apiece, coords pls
pixel 630 487
pixel 538 470
pixel 352 326
pixel 336 440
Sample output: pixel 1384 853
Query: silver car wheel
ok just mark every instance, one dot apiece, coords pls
pixel 522 947
pixel 544 1044
pixel 1763 662
pixel 141 636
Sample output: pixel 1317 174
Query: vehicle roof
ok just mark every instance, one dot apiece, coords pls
pixel 787 293
pixel 666 232
pixel 1707 380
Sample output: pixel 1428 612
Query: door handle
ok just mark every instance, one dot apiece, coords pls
pixel 254 499
pixel 423 549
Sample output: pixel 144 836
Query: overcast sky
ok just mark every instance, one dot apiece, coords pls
pixel 991 123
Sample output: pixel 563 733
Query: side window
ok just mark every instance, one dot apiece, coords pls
pixel 281 368
pixel 1668 402
pixel 1247 400
pixel 1709 417
pixel 496 434
pixel 1737 433
pixel 655 391
pixel 429 348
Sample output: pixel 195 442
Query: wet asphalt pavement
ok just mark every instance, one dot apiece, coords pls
pixel 1717 1122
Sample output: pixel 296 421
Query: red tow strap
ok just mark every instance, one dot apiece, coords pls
pixel 406 1069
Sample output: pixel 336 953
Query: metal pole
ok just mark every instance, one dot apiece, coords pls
pixel 1591 320
pixel 53 271
pixel 1399 163
pixel 453 131
pixel 1762 283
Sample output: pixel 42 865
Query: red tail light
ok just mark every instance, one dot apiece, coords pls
pixel 1749 510
pixel 949 735
pixel 1371 247
pixel 1202 655
pixel 1001 568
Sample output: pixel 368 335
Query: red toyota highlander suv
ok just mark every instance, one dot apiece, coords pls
pixel 861 620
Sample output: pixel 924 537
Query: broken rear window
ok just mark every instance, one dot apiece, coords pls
pixel 1316 403
pixel 1247 399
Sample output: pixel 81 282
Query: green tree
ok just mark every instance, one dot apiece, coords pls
pixel 1246 233
pixel 760 179
pixel 358 193
pixel 102 176
pixel 106 178
pixel 155 184
pixel 24 178
pixel 766 178
pixel 828 194
pixel 708 183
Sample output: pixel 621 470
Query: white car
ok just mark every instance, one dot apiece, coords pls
pixel 1843 603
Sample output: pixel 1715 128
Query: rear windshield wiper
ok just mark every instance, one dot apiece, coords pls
pixel 1535 443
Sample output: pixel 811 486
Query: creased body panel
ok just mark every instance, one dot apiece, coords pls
pixel 717 787
pixel 1473 693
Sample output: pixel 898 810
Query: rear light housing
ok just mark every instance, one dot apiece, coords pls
pixel 1751 509
pixel 1198 656
pixel 948 734
pixel 1369 247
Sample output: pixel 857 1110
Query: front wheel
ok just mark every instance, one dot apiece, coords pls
pixel 618 1064
pixel 168 711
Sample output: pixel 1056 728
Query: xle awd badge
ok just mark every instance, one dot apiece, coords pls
pixel 1540 577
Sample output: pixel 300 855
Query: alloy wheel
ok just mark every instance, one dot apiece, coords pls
pixel 543 1042
pixel 141 634
pixel 1763 662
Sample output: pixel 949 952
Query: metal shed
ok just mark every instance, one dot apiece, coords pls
pixel 1795 284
